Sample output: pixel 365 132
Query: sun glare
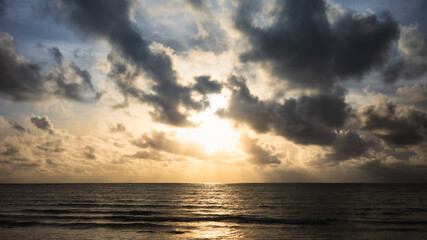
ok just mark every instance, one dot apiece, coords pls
pixel 214 133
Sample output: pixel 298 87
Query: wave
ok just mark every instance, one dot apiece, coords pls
pixel 119 204
pixel 65 211
pixel 163 219
pixel 124 217
pixel 12 223
pixel 391 222
pixel 111 205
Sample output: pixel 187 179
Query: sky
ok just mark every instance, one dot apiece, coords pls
pixel 213 91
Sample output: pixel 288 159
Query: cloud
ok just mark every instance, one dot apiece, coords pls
pixel 394 124
pixel 89 152
pixel 57 55
pixel 310 47
pixel 52 146
pixel 19 151
pixel 119 127
pixel 201 5
pixel 18 127
pixel 27 156
pixel 299 45
pixel 258 154
pixel 413 94
pixel 156 156
pixel 166 100
pixel 159 141
pixel 195 25
pixel 349 145
pixel 204 85
pixel 147 154
pixel 21 80
pixel 10 150
pixel 111 20
pixel 79 85
pixel 305 120
pixel 413 63
pixel 42 123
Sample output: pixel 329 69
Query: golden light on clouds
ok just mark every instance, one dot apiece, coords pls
pixel 200 91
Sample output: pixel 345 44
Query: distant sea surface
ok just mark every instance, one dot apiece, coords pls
pixel 213 211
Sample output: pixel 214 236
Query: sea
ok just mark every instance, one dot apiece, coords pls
pixel 213 211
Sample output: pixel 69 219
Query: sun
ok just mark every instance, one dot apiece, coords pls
pixel 213 132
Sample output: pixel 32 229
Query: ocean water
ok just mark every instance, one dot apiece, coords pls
pixel 213 211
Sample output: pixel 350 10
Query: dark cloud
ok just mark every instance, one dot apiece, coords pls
pixel 303 47
pixel 394 124
pixel 56 54
pixel 349 145
pixel 166 99
pixel 258 154
pixel 305 120
pixel 159 141
pixel 330 110
pixel 204 85
pixel 413 63
pixel 402 154
pixel 42 123
pixel 124 77
pixel 21 80
pixel 110 20
pixel 199 4
pixel 18 127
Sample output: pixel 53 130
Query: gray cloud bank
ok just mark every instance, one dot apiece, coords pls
pixel 317 45
pixel 306 120
pixel 111 21
pixel 21 80
pixel 305 48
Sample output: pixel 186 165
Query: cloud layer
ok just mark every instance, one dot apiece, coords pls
pixel 306 120
pixel 302 46
pixel 111 21
pixel 22 80
pixel 300 90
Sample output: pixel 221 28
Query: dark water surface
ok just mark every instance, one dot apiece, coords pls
pixel 213 211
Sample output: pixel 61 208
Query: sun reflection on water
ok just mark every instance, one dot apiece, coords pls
pixel 216 201
pixel 216 230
